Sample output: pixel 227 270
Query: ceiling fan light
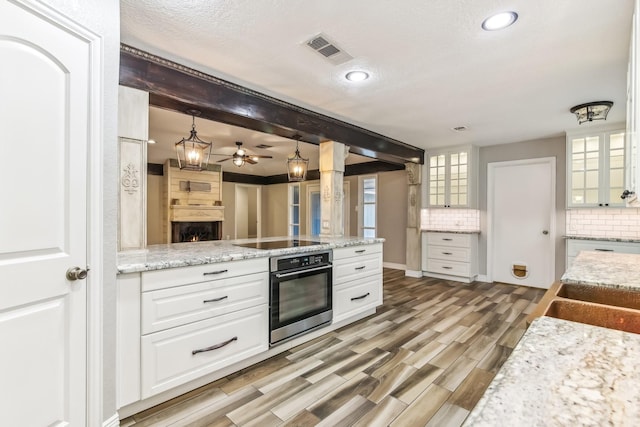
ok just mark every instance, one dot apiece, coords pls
pixel 592 111
pixel 238 160
pixel 193 153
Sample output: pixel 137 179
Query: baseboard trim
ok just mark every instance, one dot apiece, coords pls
pixel 483 278
pixel 413 273
pixel 114 421
pixel 394 265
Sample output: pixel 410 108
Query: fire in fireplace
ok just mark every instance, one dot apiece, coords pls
pixel 195 231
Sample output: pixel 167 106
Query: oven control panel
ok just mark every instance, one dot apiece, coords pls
pixel 301 261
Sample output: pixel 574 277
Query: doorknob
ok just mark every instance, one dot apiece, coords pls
pixel 77 273
pixel 545 232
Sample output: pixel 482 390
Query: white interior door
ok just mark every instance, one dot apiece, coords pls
pixel 521 238
pixel 44 110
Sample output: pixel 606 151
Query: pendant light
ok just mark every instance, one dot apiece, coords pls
pixel 193 153
pixel 592 111
pixel 297 165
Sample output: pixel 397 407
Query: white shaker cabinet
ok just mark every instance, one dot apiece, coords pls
pixel 596 163
pixel 357 280
pixel 452 177
pixel 575 246
pixel 452 256
pixel 179 324
pixel 633 112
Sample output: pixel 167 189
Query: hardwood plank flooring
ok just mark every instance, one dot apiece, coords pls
pixel 424 359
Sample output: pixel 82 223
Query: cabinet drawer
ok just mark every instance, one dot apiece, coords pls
pixel 160 279
pixel 168 357
pixel 355 251
pixel 348 269
pixel 167 308
pixel 448 267
pixel 575 246
pixel 449 253
pixel 356 297
pixel 449 239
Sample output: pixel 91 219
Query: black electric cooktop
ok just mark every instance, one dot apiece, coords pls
pixel 278 244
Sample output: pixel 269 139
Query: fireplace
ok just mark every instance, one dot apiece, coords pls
pixel 195 231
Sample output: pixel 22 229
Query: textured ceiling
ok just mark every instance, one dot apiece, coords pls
pixel 432 67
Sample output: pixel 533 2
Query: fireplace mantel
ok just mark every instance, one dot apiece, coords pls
pixel 196 213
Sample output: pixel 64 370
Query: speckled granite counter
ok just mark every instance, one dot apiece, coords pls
pixel 610 269
pixel 565 374
pixel 431 230
pixel 159 257
pixel 602 239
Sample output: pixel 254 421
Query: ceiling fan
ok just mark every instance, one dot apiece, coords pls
pixel 240 157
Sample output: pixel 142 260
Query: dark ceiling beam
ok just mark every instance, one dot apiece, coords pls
pixel 179 88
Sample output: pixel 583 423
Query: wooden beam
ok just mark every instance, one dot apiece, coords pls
pixel 179 88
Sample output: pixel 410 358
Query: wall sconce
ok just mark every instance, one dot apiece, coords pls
pixel 592 111
pixel 297 165
pixel 193 153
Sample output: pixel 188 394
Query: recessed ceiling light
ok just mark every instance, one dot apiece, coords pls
pixel 151 141
pixel 356 76
pixel 499 21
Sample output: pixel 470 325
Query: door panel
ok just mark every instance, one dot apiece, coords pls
pixel 523 209
pixel 44 119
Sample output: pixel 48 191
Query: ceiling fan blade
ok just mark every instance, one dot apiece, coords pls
pixel 223 160
pixel 261 157
pixel 250 160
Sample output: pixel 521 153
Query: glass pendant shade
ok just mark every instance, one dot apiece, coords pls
pixel 193 153
pixel 238 160
pixel 297 166
pixel 592 111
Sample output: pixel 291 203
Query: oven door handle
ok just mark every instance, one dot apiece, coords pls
pixel 293 273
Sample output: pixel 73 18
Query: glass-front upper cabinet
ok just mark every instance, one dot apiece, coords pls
pixel 596 164
pixel 452 178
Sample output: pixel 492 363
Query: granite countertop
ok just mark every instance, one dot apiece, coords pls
pixel 564 373
pixel 611 269
pixel 601 239
pixel 440 230
pixel 159 257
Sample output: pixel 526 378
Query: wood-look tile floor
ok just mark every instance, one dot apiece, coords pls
pixel 424 359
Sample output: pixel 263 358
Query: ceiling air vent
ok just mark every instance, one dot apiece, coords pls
pixel 263 146
pixel 328 49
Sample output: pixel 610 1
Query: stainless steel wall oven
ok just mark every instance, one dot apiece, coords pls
pixel 300 294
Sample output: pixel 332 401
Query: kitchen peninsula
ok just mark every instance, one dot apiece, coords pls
pixel 569 373
pixel 190 313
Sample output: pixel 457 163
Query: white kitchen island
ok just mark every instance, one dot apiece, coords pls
pixel 161 318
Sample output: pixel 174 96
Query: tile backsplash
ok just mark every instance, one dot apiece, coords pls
pixel 610 223
pixel 450 219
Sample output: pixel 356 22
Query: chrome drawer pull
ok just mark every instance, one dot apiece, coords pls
pixel 603 250
pixel 215 347
pixel 361 251
pixel 447 239
pixel 215 299
pixel 447 268
pixel 447 253
pixel 360 268
pixel 215 272
pixel 361 296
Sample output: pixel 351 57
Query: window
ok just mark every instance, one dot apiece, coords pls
pixel 367 198
pixel 294 209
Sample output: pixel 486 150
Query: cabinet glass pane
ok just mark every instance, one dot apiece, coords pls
pixel 454 200
pixel 454 159
pixel 591 196
pixel 617 159
pixel 616 178
pixel 464 158
pixel 577 180
pixel 592 161
pixel 593 143
pixel 577 145
pixel 577 197
pixel 616 141
pixel 462 200
pixel 591 179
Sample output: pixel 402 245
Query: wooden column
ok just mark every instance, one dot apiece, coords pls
pixel 332 155
pixel 133 132
pixel 414 237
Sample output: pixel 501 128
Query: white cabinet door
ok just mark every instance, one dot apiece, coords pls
pixel 44 113
pixel 452 178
